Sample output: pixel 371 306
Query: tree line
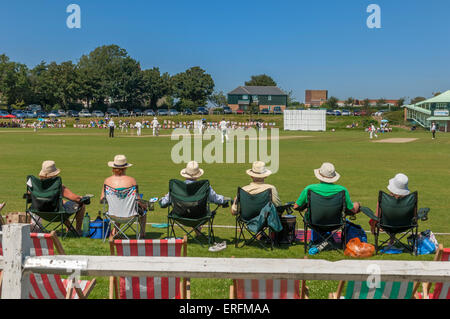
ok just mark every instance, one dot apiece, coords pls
pixel 105 76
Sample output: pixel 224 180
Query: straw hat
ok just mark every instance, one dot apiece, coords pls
pixel 120 161
pixel 259 170
pixel 399 185
pixel 192 170
pixel 49 169
pixel 327 173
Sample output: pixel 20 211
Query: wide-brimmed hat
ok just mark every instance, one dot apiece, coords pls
pixel 192 170
pixel 120 161
pixel 49 169
pixel 399 185
pixel 259 170
pixel 327 173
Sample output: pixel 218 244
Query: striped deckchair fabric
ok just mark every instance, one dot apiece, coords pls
pixel 300 235
pixel 45 286
pixel 441 290
pixel 149 287
pixel 387 290
pixel 266 289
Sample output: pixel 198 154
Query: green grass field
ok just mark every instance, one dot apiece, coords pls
pixel 365 167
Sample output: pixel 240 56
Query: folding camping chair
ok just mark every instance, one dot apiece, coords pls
pixel 386 290
pixel 123 209
pixel 325 215
pixel 249 207
pixel 441 289
pixel 397 217
pixel 268 289
pixel 189 207
pixel 48 286
pixel 149 287
pixel 44 200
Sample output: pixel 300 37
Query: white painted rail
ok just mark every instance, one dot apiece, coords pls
pixel 17 265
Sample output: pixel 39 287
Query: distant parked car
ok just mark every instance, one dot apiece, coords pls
pixel 264 111
pixel 61 112
pixel 346 113
pixel 53 114
pixel 72 113
pixel 227 110
pixel 112 112
pixel 149 112
pixel 330 112
pixel 163 112
pixel 202 111
pixel 19 114
pixel 84 113
pixel 41 115
pixel 137 112
pixel 277 110
pixel 124 112
pixel 97 113
pixel 187 112
pixel 360 113
pixel 173 112
pixel 239 111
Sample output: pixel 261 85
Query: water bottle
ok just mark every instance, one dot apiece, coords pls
pixel 86 225
pixel 318 248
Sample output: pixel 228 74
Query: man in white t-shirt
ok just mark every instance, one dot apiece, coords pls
pixel 155 126
pixel 433 130
pixel 138 126
pixel 224 129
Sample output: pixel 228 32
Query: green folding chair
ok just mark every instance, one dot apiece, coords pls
pixel 248 207
pixel 189 207
pixel 398 217
pixel 44 199
pixel 325 215
pixel 385 290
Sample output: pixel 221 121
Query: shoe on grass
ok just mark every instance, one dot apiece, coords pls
pixel 218 247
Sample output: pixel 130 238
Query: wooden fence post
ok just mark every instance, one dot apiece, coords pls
pixel 16 247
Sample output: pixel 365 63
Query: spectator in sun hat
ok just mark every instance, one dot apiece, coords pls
pixel 328 177
pixel 72 204
pixel 120 180
pixel 258 174
pixel 398 188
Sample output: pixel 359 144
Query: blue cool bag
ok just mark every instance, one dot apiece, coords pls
pixel 354 231
pixel 98 227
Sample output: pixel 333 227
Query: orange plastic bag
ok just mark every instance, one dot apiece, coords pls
pixel 357 249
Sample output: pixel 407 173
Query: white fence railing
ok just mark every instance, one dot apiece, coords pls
pixel 17 265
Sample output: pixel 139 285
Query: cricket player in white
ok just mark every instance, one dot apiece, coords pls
pixel 155 125
pixel 138 125
pixel 223 127
pixel 373 131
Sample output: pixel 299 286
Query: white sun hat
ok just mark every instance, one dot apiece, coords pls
pixel 399 185
pixel 192 170
pixel 327 173
pixel 120 161
pixel 259 170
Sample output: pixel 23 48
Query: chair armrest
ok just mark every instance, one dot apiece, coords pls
pixel 85 200
pixel 302 208
pixel 163 206
pixel 369 213
pixel 423 214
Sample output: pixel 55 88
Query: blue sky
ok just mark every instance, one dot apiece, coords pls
pixel 321 44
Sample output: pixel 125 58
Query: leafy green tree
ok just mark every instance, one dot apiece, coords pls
pixel 366 105
pixel 155 86
pixel 400 102
pixel 381 102
pixel 350 101
pixel 417 99
pixel 194 85
pixel 333 102
pixel 15 85
pixel 218 99
pixel 261 80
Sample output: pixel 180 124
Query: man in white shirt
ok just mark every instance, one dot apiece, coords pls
pixel 155 126
pixel 111 126
pixel 224 129
pixel 433 130
pixel 373 131
pixel 138 126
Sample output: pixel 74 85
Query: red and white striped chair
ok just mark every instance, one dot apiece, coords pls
pixel 149 287
pixel 441 290
pixel 268 289
pixel 43 286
